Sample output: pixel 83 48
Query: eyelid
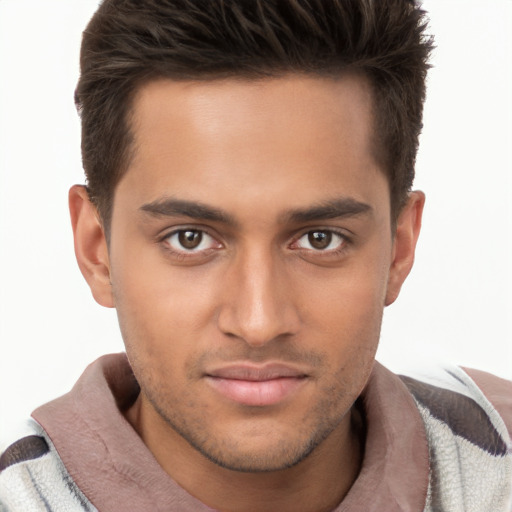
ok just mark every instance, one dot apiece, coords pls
pixel 346 241
pixel 184 254
pixel 343 233
pixel 169 231
pixel 190 253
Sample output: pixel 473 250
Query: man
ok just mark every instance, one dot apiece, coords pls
pixel 248 213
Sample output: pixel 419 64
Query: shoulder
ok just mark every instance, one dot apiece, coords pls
pixel 498 391
pixel 33 478
pixel 467 422
pixel 465 400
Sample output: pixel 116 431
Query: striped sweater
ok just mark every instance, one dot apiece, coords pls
pixel 467 441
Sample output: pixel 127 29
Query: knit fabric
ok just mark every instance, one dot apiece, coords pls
pixel 34 479
pixel 470 450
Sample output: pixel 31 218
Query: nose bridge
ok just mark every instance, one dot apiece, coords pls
pixel 258 307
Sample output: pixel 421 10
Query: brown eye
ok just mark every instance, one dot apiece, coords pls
pixel 320 239
pixel 190 239
pixel 191 242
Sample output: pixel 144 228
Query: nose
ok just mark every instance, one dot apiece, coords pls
pixel 258 304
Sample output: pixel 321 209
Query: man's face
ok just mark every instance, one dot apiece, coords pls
pixel 249 259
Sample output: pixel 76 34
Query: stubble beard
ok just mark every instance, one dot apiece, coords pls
pixel 227 452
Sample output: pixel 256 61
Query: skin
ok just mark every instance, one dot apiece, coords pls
pixel 297 261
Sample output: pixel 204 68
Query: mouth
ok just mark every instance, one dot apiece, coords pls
pixel 256 386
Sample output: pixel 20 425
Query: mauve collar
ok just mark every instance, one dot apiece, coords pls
pixel 395 472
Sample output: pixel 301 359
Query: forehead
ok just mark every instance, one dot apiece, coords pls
pixel 295 138
pixel 216 109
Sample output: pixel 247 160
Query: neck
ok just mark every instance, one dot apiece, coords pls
pixel 318 483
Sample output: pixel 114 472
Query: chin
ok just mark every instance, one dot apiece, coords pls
pixel 256 446
pixel 273 456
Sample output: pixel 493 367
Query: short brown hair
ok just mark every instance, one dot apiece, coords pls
pixel 128 43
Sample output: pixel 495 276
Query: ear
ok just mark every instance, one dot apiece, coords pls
pixel 404 244
pixel 90 245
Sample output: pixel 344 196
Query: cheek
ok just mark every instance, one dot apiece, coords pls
pixel 354 318
pixel 161 296
pixel 345 311
pixel 348 301
pixel 163 311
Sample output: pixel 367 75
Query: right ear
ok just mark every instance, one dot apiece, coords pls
pixel 91 248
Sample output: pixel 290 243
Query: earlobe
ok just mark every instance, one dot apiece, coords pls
pixel 404 244
pixel 90 245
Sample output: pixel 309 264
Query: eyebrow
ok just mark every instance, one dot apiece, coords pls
pixel 171 207
pixel 333 209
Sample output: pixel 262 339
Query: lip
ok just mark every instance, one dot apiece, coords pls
pixel 253 385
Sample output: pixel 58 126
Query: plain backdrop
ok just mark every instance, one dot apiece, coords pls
pixel 456 305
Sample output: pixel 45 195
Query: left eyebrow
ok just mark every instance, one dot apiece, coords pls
pixel 334 209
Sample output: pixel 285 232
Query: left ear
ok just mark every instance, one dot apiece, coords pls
pixel 404 244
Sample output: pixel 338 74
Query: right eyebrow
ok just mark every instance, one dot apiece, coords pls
pixel 171 207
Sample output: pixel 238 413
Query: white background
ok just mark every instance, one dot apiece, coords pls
pixel 455 307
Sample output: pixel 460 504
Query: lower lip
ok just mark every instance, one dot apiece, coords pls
pixel 256 393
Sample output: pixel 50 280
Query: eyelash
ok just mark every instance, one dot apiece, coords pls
pixel 184 254
pixel 345 242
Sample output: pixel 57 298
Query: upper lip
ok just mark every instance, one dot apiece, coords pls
pixel 251 372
